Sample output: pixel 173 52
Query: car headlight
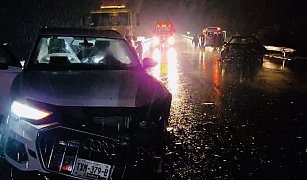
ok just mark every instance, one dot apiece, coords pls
pixel 28 112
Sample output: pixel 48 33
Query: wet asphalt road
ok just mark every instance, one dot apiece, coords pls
pixel 233 121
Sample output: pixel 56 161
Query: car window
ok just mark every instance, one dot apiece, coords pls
pixel 70 52
pixel 247 40
pixel 235 41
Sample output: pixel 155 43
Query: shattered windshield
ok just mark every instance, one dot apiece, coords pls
pixel 73 52
pixel 239 40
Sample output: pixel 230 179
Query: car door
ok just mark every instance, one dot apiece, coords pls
pixel 10 67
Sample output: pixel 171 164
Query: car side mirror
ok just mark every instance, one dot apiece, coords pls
pixel 4 66
pixel 149 62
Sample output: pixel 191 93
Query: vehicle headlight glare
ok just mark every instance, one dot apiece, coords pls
pixel 25 111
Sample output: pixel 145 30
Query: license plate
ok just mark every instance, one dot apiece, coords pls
pixel 91 169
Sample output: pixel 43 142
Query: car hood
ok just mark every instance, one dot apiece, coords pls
pixel 90 88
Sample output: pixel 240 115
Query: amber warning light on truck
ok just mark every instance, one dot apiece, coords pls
pixel 112 7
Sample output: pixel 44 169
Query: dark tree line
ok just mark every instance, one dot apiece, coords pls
pixel 21 20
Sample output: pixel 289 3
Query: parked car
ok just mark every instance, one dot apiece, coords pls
pixel 243 49
pixel 85 107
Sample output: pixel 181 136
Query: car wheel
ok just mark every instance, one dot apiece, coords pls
pixel 160 147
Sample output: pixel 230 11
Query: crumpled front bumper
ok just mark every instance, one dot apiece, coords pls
pixel 54 149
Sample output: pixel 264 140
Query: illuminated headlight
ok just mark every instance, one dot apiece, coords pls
pixel 171 40
pixel 25 111
pixel 156 40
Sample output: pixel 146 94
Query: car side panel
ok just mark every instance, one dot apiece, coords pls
pixel 6 79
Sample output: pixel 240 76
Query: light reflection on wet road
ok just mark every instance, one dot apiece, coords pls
pixel 232 121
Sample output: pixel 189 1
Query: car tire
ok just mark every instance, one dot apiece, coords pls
pixel 160 149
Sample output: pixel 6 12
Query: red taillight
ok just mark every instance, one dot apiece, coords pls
pixel 67 168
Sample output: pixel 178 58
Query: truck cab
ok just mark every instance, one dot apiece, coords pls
pixel 116 17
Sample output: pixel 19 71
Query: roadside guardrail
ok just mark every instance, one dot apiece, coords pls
pixel 188 37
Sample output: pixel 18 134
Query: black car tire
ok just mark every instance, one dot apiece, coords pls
pixel 161 143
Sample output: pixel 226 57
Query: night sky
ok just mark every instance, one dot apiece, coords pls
pixel 273 22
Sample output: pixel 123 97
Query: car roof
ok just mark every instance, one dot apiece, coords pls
pixel 81 32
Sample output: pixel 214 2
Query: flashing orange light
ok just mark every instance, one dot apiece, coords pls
pixel 112 6
pixel 218 29
pixel 163 25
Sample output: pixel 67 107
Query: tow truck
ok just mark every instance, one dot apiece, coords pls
pixel 116 17
pixel 164 34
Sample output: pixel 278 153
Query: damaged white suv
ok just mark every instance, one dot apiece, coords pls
pixel 85 107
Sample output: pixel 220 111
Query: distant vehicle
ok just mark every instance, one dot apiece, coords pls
pixel 213 37
pixel 243 49
pixel 116 17
pixel 164 34
pixel 9 69
pixel 85 107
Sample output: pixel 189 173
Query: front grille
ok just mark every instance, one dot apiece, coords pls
pixel 111 122
pixel 60 147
